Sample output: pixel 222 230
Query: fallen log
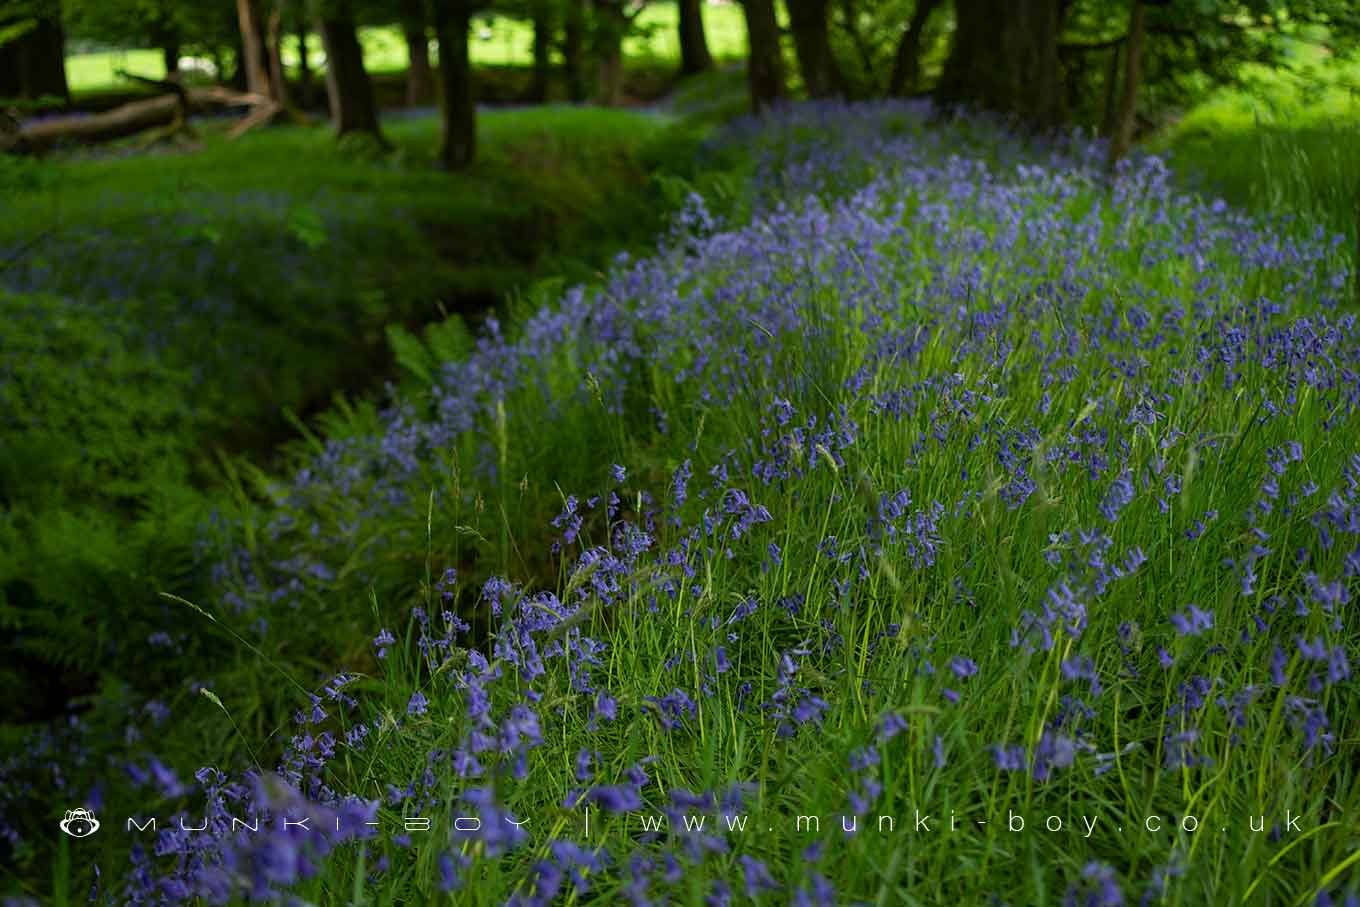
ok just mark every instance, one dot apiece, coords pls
pixel 167 111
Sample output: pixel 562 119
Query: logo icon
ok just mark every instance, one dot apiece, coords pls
pixel 79 823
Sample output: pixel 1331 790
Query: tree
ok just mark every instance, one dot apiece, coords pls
pixel 765 58
pixel 1004 58
pixel 906 71
pixel 354 108
pixel 612 22
pixel 419 76
pixel 1187 48
pixel 812 42
pixel 694 55
pixel 254 58
pixel 545 27
pixel 33 51
pixel 574 50
pixel 1122 136
pixel 458 142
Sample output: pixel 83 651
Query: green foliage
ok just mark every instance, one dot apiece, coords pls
pixel 95 507
pixel 444 341
pixel 1287 147
pixel 1193 47
pixel 141 284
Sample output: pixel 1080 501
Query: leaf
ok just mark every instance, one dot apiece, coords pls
pixel 307 227
pixel 410 353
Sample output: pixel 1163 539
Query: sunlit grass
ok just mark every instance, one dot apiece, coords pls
pixel 494 41
pixel 1287 146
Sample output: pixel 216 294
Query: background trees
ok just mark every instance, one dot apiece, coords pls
pixel 1043 62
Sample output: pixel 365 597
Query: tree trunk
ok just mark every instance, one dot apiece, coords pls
pixel 170 54
pixel 1004 58
pixel 253 60
pixel 694 55
pixel 812 43
pixel 304 65
pixel 238 78
pixel 419 77
pixel 863 49
pixel 906 71
pixel 765 61
pixel 610 24
pixel 33 65
pixel 574 51
pixel 1128 89
pixel 278 76
pixel 1109 117
pixel 458 144
pixel 353 107
pixel 543 38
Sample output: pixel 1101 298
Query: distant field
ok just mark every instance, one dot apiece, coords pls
pixel 496 41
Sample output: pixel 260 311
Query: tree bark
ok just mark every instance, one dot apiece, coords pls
pixel 170 57
pixel 121 122
pixel 574 51
pixel 253 58
pixel 1109 117
pixel 543 40
pixel 353 106
pixel 812 44
pixel 1004 58
pixel 278 76
pixel 610 24
pixel 765 61
pixel 33 65
pixel 1122 139
pixel 304 65
pixel 458 144
pixel 694 55
pixel 863 47
pixel 170 53
pixel 906 71
pixel 238 78
pixel 419 76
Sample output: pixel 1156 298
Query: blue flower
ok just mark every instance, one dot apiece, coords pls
pixel 1193 623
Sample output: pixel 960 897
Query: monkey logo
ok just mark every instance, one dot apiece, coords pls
pixel 79 823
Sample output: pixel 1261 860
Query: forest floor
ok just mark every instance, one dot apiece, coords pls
pixel 172 316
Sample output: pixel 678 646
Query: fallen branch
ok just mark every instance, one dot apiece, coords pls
pixel 168 111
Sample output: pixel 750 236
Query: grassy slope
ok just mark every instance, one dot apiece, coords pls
pixel 1287 145
pixel 278 251
pixel 997 464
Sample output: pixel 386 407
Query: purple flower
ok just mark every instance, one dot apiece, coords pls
pixel 615 798
pixel 1098 887
pixel 383 641
pixel 1192 623
pixel 756 876
pixel 418 704
pixel 1009 758
pixel 963 667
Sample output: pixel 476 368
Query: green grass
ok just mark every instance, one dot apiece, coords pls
pixel 1288 145
pixel 494 41
pixel 281 250
pixel 1068 353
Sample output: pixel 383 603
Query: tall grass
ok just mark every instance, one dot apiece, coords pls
pixel 952 483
